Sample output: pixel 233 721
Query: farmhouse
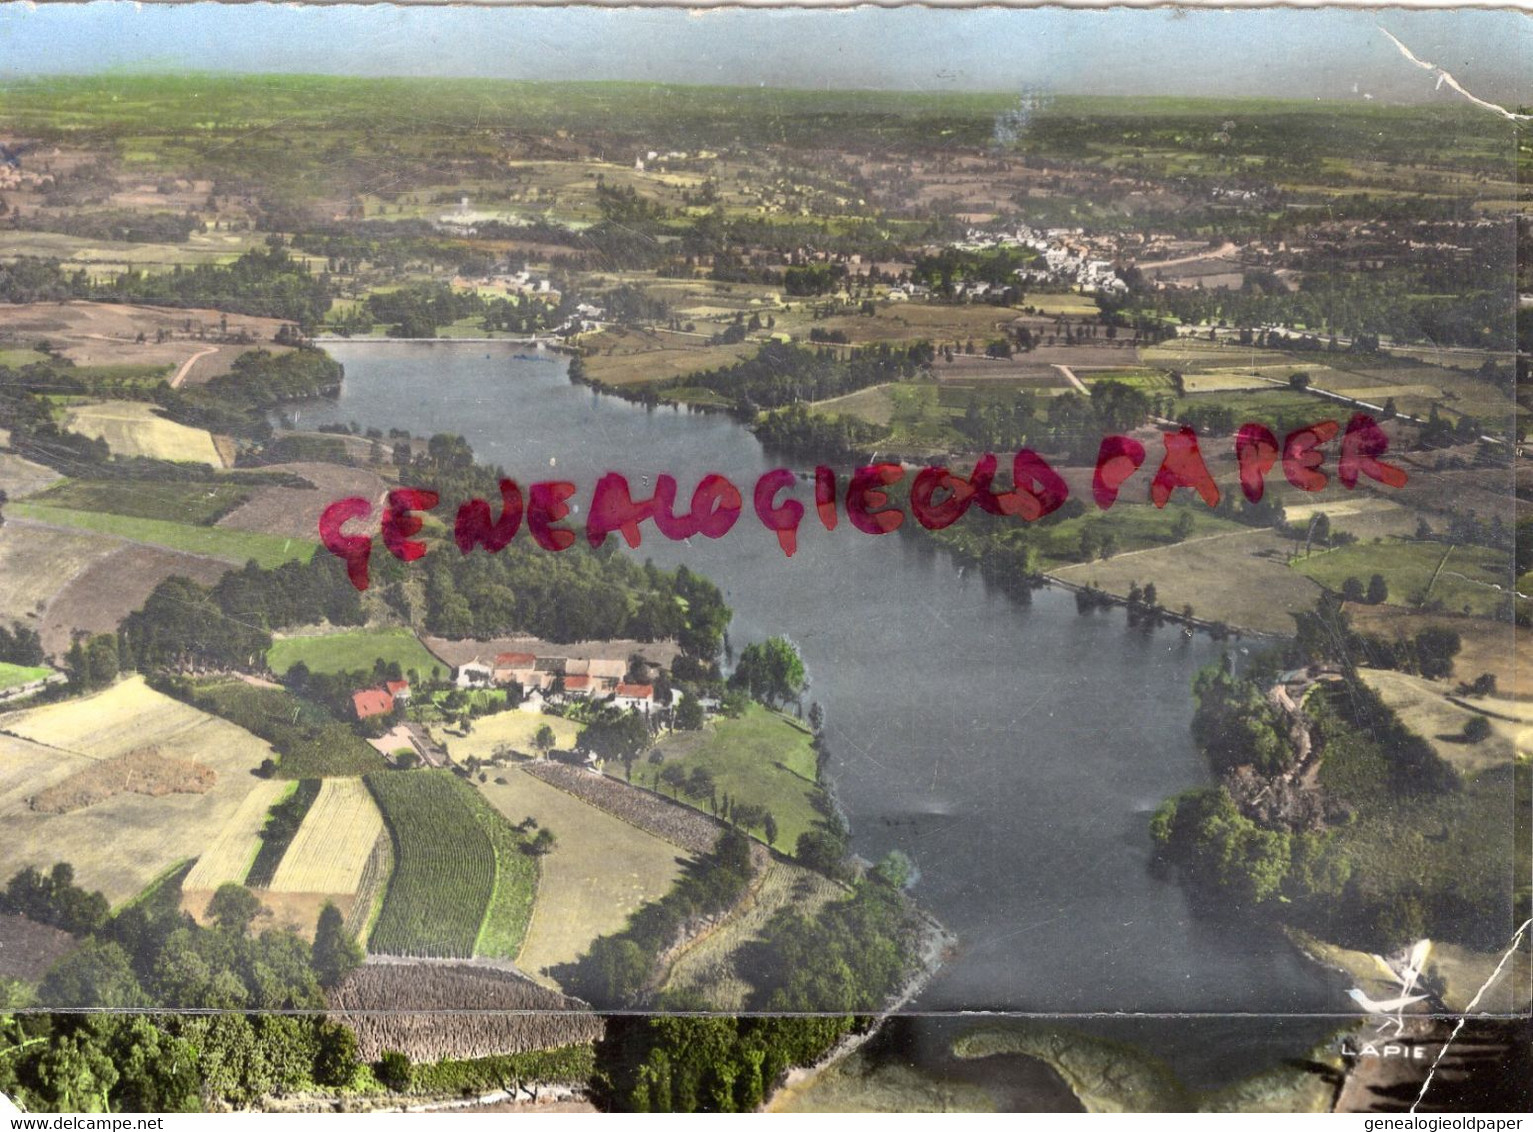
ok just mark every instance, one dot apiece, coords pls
pixel 474 675
pixel 635 697
pixel 372 701
pixel 399 689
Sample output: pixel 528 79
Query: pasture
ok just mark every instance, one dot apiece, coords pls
pixel 14 675
pixel 122 843
pixel 201 504
pixel 1472 580
pixel 761 758
pixel 1238 577
pixel 330 852
pixel 602 870
pixel 132 428
pixel 506 731
pixel 355 651
pixel 215 542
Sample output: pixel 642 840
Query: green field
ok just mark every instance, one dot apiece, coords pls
pixel 516 885
pixel 1472 579
pixel 444 866
pixel 355 652
pixel 12 675
pixel 216 542
pixel 760 758
pixel 201 504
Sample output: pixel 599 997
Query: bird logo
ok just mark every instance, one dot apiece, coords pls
pixel 1407 973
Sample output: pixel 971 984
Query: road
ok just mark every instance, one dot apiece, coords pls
pixel 186 366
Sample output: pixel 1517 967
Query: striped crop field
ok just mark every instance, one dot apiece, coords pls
pixel 444 866
pixel 330 851
pixel 228 857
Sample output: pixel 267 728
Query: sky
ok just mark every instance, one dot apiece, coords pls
pixel 1329 53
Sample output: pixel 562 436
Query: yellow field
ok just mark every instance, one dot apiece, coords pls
pixel 330 851
pixel 19 477
pixel 710 968
pixel 131 428
pixel 1422 706
pixel 229 856
pixel 27 769
pixel 601 870
pixel 512 730
pixel 121 844
pixel 37 562
pixel 1239 578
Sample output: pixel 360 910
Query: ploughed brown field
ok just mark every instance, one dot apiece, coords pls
pixel 28 949
pixel 294 511
pixel 142 771
pixel 110 587
pixel 499 1009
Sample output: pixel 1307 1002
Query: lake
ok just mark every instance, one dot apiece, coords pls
pixel 1015 750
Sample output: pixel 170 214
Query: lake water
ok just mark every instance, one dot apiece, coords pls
pixel 1015 751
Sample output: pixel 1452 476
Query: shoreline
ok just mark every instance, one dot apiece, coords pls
pixel 936 942
pixel 555 345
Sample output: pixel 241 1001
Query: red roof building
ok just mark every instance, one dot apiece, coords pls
pixel 372 701
pixel 515 660
pixel 636 691
pixel 399 689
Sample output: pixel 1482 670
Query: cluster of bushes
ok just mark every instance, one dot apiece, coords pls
pixel 237 402
pixel 21 645
pixel 54 899
pixel 309 741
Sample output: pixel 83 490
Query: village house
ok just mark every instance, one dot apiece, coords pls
pixel 635 697
pixel 372 701
pixel 473 674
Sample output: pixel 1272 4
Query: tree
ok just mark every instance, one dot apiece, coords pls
pixel 543 843
pixel 689 713
pixel 1476 729
pixel 1179 529
pixel 772 671
pixel 336 954
pixel 335 1057
pixel 769 829
pixel 700 783
pixel 816 717
pixel 1352 590
pixel 233 908
pixel 674 777
pixel 544 740
pixel 394 1070
pixel 896 869
pixel 1378 590
pixel 1435 650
